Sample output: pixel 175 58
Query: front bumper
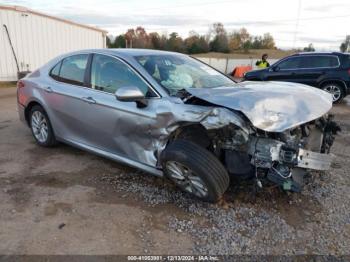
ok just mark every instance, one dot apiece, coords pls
pixel 312 160
pixel 283 165
pixel 267 152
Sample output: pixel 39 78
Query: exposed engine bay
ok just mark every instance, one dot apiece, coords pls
pixel 281 158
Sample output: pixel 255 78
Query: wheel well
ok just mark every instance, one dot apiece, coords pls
pixel 195 133
pixel 29 108
pixel 339 82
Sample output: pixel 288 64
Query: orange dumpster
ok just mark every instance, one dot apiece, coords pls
pixel 240 70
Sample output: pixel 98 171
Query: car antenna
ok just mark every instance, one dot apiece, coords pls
pixel 13 50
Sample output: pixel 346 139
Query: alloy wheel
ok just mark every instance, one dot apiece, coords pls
pixel 186 179
pixel 335 91
pixel 39 126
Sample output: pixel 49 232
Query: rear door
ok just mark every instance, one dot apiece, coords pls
pixel 68 99
pixel 314 67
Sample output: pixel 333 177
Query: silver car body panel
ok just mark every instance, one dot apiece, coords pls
pixel 271 106
pixel 312 160
pixel 136 136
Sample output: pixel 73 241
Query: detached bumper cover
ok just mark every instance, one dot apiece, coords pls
pixel 312 160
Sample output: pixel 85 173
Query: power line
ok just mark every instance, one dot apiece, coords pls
pixel 297 24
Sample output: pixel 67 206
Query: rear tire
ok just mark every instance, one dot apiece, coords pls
pixel 336 90
pixel 195 170
pixel 41 127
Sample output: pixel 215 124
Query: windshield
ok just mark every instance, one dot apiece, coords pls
pixel 175 72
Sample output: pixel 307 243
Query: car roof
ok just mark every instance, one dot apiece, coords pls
pixel 319 53
pixel 125 52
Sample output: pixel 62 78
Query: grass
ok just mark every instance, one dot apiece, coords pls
pixel 252 53
pixel 7 84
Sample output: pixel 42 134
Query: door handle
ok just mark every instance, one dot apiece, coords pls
pixel 89 100
pixel 48 89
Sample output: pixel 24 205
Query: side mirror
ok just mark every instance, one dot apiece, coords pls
pixel 131 94
pixel 275 69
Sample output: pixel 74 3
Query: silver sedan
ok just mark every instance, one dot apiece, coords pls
pixel 169 114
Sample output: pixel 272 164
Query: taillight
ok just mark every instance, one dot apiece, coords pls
pixel 20 84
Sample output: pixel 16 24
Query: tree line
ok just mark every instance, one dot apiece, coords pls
pixel 216 40
pixel 345 46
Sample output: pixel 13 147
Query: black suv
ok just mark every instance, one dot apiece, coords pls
pixel 328 71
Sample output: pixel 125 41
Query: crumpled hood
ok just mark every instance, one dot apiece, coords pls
pixel 270 106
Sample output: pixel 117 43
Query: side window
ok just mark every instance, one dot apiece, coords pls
pixel 108 74
pixel 289 63
pixel 333 61
pixel 55 72
pixel 309 62
pixel 304 62
pixel 322 61
pixel 72 70
pixel 346 61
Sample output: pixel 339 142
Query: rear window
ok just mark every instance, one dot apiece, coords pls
pixel 71 70
pixel 318 61
pixel 346 61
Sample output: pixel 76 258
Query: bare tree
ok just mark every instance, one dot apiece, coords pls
pixel 345 46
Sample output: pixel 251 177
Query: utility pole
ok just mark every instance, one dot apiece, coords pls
pixel 297 24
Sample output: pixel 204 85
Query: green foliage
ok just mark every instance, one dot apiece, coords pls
pixel 345 46
pixel 175 43
pixel 196 44
pixel 309 48
pixel 119 41
pixel 109 41
pixel 219 43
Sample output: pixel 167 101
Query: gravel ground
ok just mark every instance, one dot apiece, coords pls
pixel 317 221
pixel 73 202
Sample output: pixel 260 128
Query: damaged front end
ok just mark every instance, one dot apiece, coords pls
pixel 290 131
pixel 282 158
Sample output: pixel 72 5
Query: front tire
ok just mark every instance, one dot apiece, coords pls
pixel 41 127
pixel 335 90
pixel 195 170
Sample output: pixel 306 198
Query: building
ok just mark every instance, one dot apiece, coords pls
pixel 29 39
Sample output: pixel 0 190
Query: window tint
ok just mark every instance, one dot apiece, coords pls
pixel 346 61
pixel 319 61
pixel 290 63
pixel 73 69
pixel 108 74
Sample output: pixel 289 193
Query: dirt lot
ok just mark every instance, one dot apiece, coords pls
pixel 66 201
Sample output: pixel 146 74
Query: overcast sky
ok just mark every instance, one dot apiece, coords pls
pixel 321 22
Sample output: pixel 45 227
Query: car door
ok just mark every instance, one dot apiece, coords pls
pixel 284 70
pixel 314 67
pixel 67 99
pixel 118 127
